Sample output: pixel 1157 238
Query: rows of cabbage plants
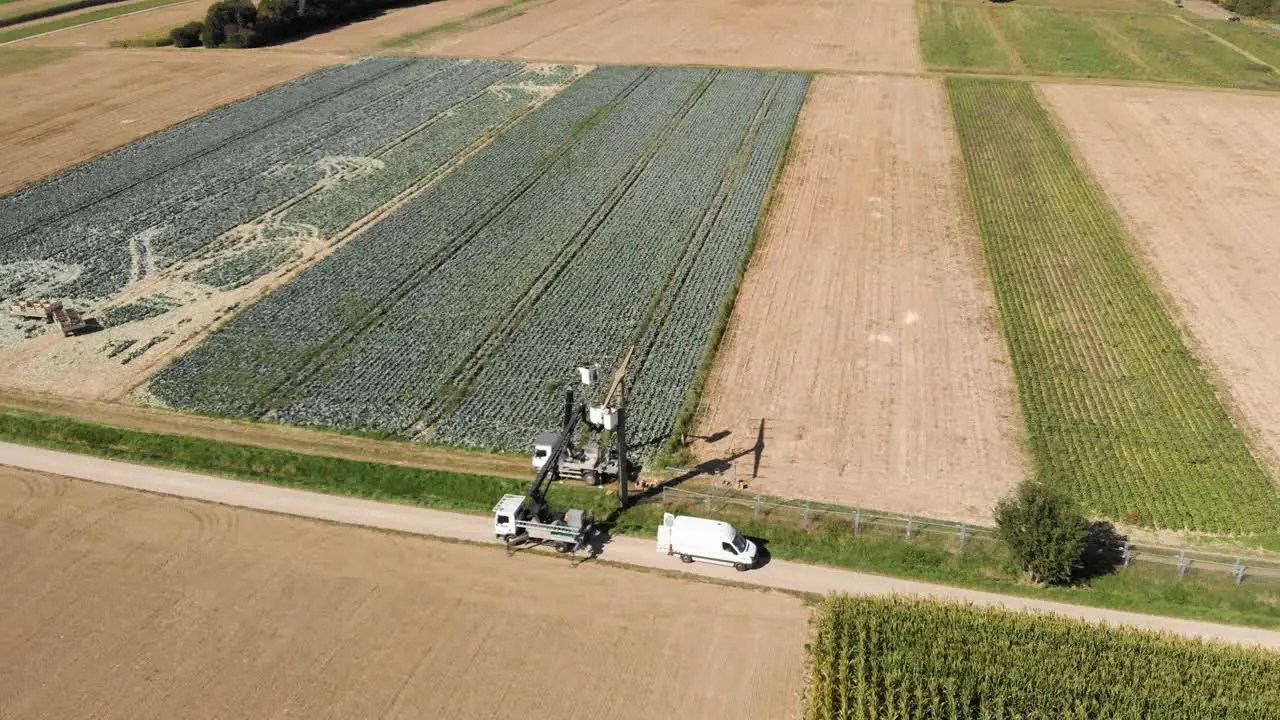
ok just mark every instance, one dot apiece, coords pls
pixel 441 321
pixel 249 367
pixel 619 211
pixel 156 202
pixel 677 348
pixel 669 224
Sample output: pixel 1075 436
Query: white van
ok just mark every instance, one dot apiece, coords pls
pixel 708 540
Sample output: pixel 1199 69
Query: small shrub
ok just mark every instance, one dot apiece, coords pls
pixel 186 36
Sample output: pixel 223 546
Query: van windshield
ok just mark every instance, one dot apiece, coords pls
pixel 739 543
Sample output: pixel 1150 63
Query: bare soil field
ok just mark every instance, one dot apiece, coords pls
pixel 100 34
pixel 800 34
pixel 120 604
pixel 865 333
pixel 1196 177
pixel 368 35
pixel 70 111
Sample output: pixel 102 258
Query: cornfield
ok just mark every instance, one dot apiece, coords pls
pixel 906 659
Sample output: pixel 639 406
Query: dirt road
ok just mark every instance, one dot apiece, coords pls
pixel 1197 178
pixel 633 551
pixel 120 604
pixel 865 335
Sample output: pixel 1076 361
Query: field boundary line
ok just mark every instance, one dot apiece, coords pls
pixel 95 22
pixel 778 574
pixel 1224 41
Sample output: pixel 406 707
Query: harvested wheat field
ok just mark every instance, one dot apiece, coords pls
pixel 1196 177
pixel 120 604
pixel 377 33
pixel 865 333
pixel 100 34
pixel 801 34
pixel 70 111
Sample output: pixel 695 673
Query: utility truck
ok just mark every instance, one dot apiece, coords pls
pixel 594 436
pixel 515 520
pixel 712 541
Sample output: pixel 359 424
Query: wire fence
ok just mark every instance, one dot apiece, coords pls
pixel 1181 562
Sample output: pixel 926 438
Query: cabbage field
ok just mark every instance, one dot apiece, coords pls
pixel 151 204
pixel 619 212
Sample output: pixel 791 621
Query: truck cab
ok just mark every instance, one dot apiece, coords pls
pixel 509 510
pixel 713 541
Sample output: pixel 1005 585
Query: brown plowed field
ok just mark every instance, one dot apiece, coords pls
pixel 119 604
pixel 803 34
pixel 369 35
pixel 1197 178
pixel 67 112
pixel 865 333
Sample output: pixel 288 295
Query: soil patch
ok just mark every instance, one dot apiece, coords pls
pixel 120 604
pixel 865 336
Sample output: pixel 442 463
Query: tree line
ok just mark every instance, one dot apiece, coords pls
pixel 241 24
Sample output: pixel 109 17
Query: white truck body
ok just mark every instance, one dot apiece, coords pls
pixel 712 541
pixel 511 522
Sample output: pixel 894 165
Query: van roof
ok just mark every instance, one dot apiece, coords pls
pixel 722 530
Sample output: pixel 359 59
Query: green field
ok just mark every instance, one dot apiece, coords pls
pixel 1053 42
pixel 915 659
pixel 1148 6
pixel 1125 41
pixel 1118 410
pixel 959 36
pixel 1248 36
pixel 1175 51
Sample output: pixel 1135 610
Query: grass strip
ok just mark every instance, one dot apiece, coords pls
pixel 1180 52
pixel 959 37
pixel 904 658
pixel 395 483
pixel 1252 37
pixel 1054 42
pixel 1118 410
pixel 74 20
pixel 155 38
pixel 1143 589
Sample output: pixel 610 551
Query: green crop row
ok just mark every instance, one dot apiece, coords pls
pixel 912 659
pixel 1118 410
